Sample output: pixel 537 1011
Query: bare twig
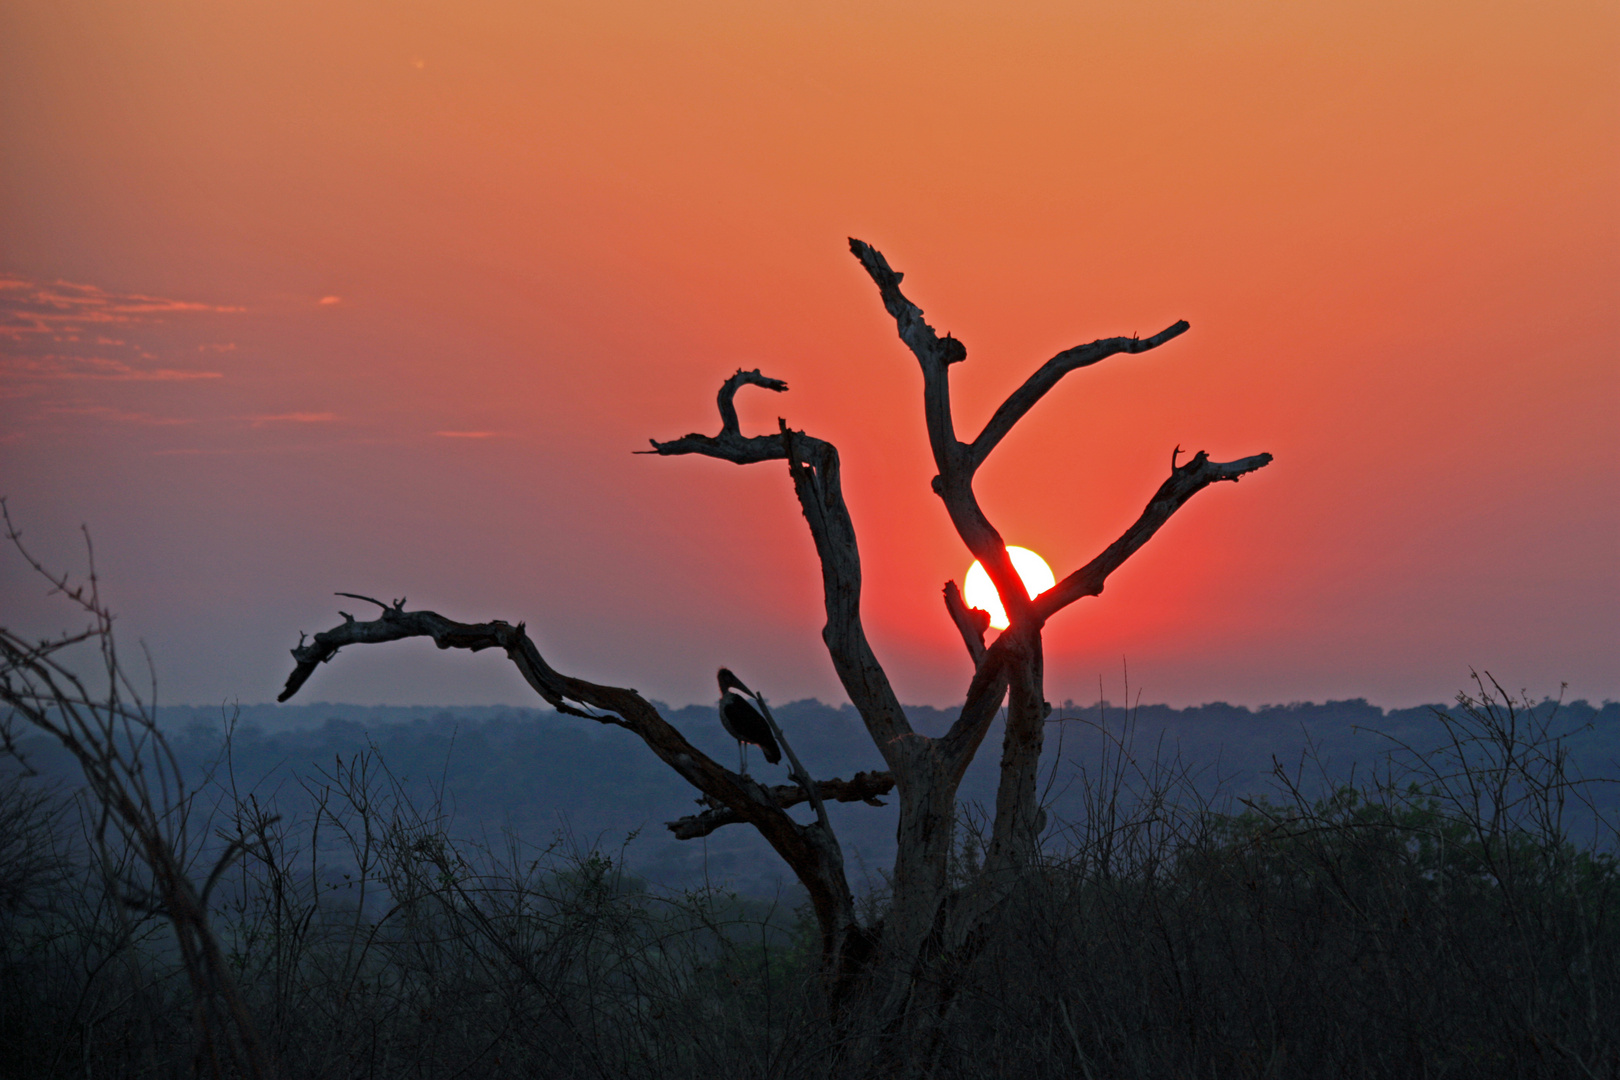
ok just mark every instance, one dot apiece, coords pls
pixel 863 787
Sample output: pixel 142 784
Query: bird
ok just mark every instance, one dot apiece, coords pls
pixel 743 721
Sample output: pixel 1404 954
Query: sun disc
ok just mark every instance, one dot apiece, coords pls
pixel 980 592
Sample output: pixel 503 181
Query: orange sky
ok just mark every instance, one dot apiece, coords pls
pixel 301 297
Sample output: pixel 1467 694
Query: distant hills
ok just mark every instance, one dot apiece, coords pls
pixel 545 777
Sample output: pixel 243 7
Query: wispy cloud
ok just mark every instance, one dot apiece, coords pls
pixel 60 366
pixel 328 301
pixel 470 434
pixel 66 330
pixel 122 416
pixel 294 418
pixel 32 308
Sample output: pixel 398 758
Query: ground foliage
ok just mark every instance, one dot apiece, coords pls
pixel 1435 918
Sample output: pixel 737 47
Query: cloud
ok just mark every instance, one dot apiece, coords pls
pixel 294 418
pixel 58 366
pixel 35 308
pixel 327 301
pixel 470 434
pixel 123 416
pixel 38 319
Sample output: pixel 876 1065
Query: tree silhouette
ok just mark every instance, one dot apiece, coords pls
pixel 903 968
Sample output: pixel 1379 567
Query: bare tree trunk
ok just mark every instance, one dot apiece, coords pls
pixel 906 968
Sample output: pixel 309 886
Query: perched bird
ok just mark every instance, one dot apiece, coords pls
pixel 743 721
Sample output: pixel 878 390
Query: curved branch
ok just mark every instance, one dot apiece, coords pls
pixel 730 444
pixel 728 390
pixel 1185 482
pixel 1050 374
pixel 727 446
pixel 811 853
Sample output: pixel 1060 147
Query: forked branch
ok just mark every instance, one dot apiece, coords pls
pixel 958 462
pixel 1185 482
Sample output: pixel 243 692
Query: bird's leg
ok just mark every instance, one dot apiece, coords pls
pixel 742 756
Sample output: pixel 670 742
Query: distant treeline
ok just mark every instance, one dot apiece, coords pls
pixel 541 776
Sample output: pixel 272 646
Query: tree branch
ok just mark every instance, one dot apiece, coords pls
pixel 812 854
pixel 1185 482
pixel 953 459
pixel 934 353
pixel 1050 374
pixel 813 465
pixel 984 697
pixel 728 390
pixel 928 346
pixel 863 787
pixel 730 444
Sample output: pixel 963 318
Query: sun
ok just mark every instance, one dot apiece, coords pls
pixel 980 592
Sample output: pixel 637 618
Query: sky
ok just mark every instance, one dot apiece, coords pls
pixel 298 298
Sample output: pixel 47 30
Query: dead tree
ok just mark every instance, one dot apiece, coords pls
pixel 909 963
